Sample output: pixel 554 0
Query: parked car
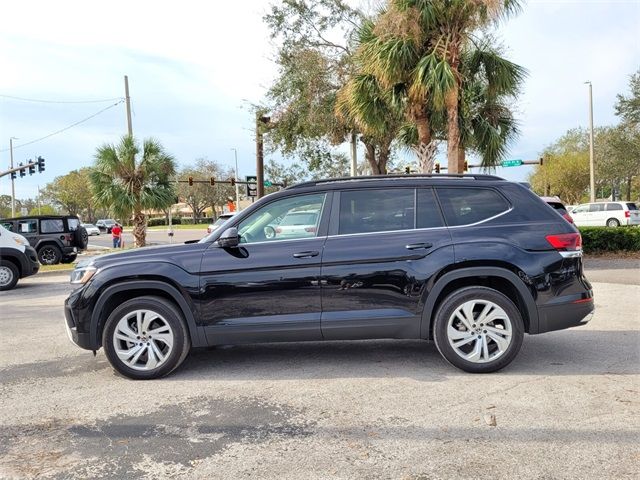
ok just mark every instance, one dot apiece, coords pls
pixel 219 221
pixel 294 225
pixel 558 206
pixel 105 225
pixel 609 214
pixel 56 238
pixel 91 229
pixel 17 259
pixel 471 262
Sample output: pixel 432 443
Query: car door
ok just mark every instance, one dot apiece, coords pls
pixel 597 215
pixel 28 228
pixel 268 288
pixel 376 265
pixel 581 216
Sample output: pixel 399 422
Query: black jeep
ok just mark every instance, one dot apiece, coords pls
pixel 56 238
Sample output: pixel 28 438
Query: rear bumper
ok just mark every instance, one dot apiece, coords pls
pixel 565 315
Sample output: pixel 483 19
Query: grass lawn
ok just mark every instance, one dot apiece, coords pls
pixel 59 267
pixel 199 226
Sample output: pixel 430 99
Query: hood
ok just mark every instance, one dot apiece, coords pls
pixel 165 253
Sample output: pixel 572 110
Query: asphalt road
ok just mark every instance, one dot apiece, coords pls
pixel 155 237
pixel 566 408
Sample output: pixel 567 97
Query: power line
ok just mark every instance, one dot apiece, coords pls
pixel 65 128
pixel 59 101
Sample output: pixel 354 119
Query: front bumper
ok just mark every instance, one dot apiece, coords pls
pixel 81 339
pixel 32 265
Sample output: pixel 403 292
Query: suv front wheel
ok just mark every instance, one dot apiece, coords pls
pixel 145 338
pixel 478 330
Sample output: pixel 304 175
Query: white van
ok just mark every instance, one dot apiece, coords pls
pixel 17 259
pixel 609 214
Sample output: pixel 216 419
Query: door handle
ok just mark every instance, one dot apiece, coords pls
pixel 418 246
pixel 306 254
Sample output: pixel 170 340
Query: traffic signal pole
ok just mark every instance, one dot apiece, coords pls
pixel 13 185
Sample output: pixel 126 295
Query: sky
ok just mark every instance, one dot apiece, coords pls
pixel 195 68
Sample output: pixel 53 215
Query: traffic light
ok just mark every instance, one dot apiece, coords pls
pixel 191 181
pixel 541 160
pixel 252 188
pixel 437 167
pixel 32 168
pixel 233 182
pixel 407 170
pixel 13 175
pixel 466 166
pixel 23 173
pixel 40 164
pixel 212 181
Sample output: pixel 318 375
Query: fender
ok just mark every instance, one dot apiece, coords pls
pixel 512 278
pixel 196 333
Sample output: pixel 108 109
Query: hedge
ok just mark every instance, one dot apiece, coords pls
pixel 608 239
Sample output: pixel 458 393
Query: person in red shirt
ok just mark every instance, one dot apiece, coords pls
pixel 116 235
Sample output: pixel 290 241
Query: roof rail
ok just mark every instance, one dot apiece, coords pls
pixel 474 176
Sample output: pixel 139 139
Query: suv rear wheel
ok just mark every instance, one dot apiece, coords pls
pixel 613 222
pixel 478 330
pixel 8 275
pixel 145 338
pixel 49 255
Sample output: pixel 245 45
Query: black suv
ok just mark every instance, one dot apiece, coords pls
pixel 56 238
pixel 472 262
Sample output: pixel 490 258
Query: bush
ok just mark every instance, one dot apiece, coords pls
pixel 607 239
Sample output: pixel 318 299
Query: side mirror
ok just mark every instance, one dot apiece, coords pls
pixel 229 238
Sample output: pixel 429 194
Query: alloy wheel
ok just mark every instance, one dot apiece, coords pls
pixel 143 340
pixel 479 331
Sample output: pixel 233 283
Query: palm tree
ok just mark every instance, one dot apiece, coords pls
pixel 128 183
pixel 416 48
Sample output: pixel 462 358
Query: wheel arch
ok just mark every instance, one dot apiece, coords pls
pixel 498 278
pixel 8 255
pixel 121 292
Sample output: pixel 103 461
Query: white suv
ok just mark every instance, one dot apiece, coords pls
pixel 17 259
pixel 610 214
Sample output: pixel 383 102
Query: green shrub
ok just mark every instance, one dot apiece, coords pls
pixel 607 239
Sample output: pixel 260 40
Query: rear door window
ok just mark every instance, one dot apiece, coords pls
pixel 465 206
pixel 27 226
pixel 372 210
pixel 596 207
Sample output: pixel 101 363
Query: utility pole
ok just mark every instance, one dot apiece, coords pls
pixel 39 211
pixel 13 186
pixel 261 120
pixel 128 102
pixel 237 175
pixel 592 179
pixel 354 155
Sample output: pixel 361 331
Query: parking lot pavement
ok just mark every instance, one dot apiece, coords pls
pixel 566 408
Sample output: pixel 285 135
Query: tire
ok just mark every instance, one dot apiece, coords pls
pixel 9 275
pixel 133 361
pixel 613 222
pixel 479 347
pixel 81 238
pixel 49 255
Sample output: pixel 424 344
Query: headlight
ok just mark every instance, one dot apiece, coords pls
pixel 82 275
pixel 21 241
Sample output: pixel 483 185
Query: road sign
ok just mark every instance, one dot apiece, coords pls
pixel 252 188
pixel 511 163
pixel 267 183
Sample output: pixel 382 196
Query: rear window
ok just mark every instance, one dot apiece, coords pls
pixel 301 218
pixel 557 206
pixel 27 226
pixel 51 225
pixel 632 206
pixel 73 223
pixel 464 206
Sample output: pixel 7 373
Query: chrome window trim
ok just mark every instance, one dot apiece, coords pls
pixel 280 242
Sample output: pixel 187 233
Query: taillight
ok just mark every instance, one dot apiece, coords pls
pixel 565 241
pixel 627 214
pixel 567 217
pixel 310 229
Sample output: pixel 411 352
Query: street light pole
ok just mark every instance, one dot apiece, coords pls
pixel 13 186
pixel 237 175
pixel 592 179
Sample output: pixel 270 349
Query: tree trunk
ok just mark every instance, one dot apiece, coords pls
pixel 629 188
pixel 453 131
pixel 139 229
pixel 461 159
pixel 370 155
pixel 383 157
pixel 426 148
